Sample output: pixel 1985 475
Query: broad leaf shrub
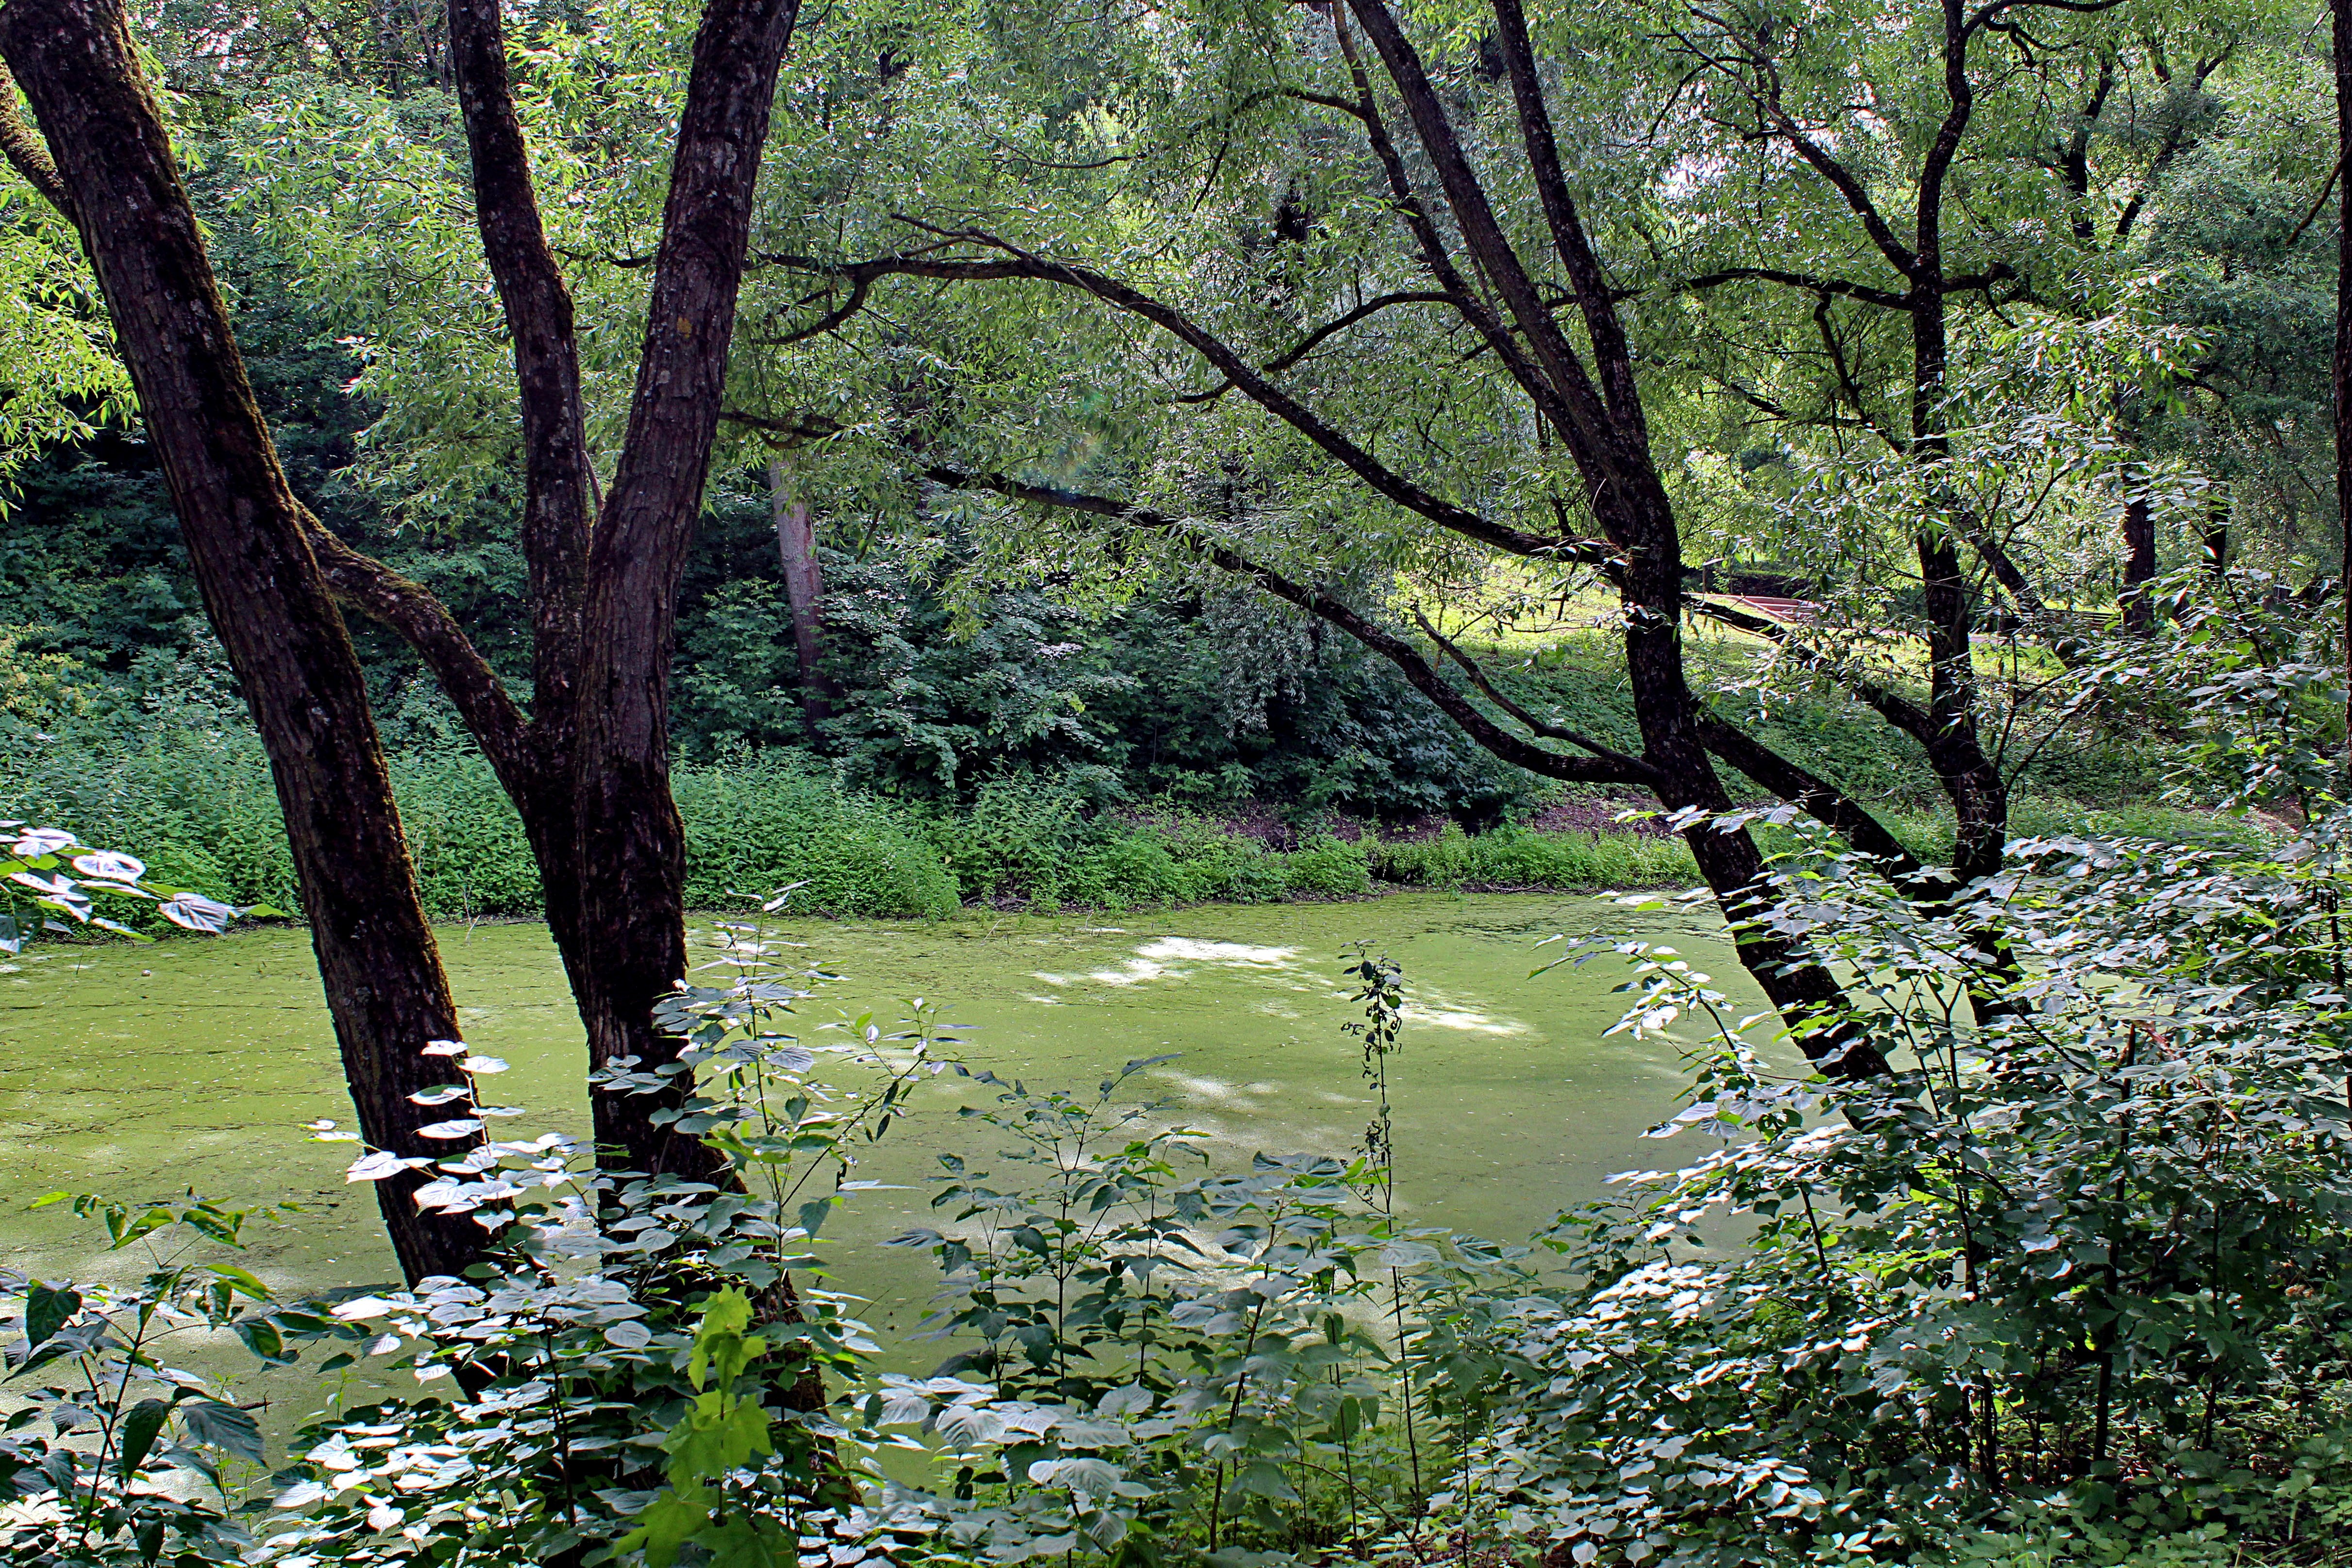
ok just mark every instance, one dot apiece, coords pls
pixel 204 814
pixel 1510 857
pixel 2078 1267
pixel 141 1461
pixel 760 823
pixel 49 872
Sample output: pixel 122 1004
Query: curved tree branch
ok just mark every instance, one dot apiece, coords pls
pixel 1820 799
pixel 1308 344
pixel 26 154
pixel 1018 264
pixel 1837 286
pixel 411 611
pixel 1535 726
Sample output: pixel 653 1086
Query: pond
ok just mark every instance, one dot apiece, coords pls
pixel 142 1071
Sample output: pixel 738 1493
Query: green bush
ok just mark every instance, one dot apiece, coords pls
pixel 760 825
pixel 472 858
pixel 200 811
pixel 1512 857
pixel 1328 867
pixel 1019 839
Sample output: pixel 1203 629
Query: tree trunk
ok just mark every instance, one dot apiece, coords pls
pixel 631 847
pixel 1804 993
pixel 2341 17
pixel 2139 566
pixel 262 588
pixel 803 583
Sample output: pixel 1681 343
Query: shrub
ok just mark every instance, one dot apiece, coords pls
pixel 763 824
pixel 1327 866
pixel 1512 857
pixel 472 858
pixel 1017 839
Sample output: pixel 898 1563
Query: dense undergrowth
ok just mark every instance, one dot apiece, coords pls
pixel 2062 1290
pixel 202 812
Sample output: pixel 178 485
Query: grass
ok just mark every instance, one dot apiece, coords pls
pixel 202 812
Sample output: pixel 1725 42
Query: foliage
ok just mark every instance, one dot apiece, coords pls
pixel 1513 858
pixel 2075 1249
pixel 50 872
pixel 107 1483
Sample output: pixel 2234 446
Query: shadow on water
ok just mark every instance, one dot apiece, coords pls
pixel 142 1071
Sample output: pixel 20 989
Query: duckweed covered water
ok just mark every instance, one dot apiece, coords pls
pixel 142 1071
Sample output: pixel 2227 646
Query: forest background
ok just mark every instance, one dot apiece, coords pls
pixel 973 722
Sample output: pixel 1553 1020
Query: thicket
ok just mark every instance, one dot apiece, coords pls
pixel 199 803
pixel 204 810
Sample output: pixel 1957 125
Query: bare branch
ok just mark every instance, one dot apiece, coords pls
pixel 1816 796
pixel 1308 344
pixel 1826 286
pixel 1016 263
pixel 1612 356
pixel 1605 455
pixel 411 611
pixel 559 482
pixel 1535 726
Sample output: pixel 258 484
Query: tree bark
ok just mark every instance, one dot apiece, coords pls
pixel 2340 21
pixel 632 845
pixel 803 584
pixel 245 534
pixel 2139 566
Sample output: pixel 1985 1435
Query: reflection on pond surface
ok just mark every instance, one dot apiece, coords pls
pixel 142 1071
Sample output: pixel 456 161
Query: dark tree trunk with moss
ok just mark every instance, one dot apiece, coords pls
pixel 2341 17
pixel 2139 565
pixel 588 768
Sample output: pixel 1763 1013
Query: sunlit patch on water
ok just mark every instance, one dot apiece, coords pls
pixel 1436 1009
pixel 1159 959
pixel 1220 1092
pixel 1193 950
pixel 1462 1018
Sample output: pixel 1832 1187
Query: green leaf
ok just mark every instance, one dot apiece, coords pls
pixel 262 1337
pixel 668 1523
pixel 221 1426
pixel 709 1443
pixel 738 1541
pixel 139 1430
pixel 246 1283
pixel 48 1308
pixel 1264 1478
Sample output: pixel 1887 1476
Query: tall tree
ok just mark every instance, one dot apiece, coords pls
pixel 1504 274
pixel 587 765
pixel 589 768
pixel 1505 308
pixel 247 539
pixel 2340 36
